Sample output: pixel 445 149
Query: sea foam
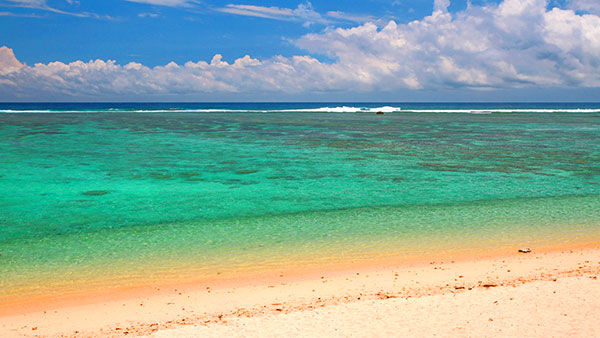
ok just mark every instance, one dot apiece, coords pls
pixel 336 109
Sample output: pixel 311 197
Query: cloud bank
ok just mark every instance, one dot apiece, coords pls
pixel 516 44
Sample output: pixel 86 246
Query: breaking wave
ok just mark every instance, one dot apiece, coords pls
pixel 337 109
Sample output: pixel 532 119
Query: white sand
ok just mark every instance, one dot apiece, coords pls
pixel 432 298
pixel 566 308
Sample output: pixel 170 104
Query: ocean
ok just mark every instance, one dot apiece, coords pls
pixel 104 195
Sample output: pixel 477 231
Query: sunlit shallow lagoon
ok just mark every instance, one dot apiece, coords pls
pixel 114 193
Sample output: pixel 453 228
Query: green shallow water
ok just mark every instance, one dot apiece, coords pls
pixel 124 195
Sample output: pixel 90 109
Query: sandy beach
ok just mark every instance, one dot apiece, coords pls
pixel 552 291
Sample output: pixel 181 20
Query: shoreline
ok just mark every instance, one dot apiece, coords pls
pixel 111 282
pixel 145 310
pixel 296 269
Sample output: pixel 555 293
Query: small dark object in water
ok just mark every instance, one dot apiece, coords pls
pixel 245 172
pixel 379 113
pixel 95 192
pixel 525 250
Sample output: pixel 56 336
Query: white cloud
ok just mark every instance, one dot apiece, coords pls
pixel 148 15
pixel 43 5
pixel 29 3
pixel 591 6
pixel 304 13
pixel 350 17
pixel 441 5
pixel 516 44
pixel 258 11
pixel 18 15
pixel 169 3
pixel 8 61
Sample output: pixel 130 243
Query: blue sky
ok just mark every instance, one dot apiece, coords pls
pixel 298 50
pixel 152 34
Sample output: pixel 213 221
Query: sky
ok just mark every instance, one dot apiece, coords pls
pixel 371 50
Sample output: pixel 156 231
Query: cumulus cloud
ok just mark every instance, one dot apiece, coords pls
pixel 8 61
pixel 590 6
pixel 515 44
pixel 441 5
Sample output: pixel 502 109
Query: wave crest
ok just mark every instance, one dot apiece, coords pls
pixel 337 109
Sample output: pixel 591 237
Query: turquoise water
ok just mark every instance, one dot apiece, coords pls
pixel 189 190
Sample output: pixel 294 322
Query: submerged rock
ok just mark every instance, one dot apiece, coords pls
pixel 95 192
pixel 192 176
pixel 245 172
pixel 195 179
pixel 160 176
